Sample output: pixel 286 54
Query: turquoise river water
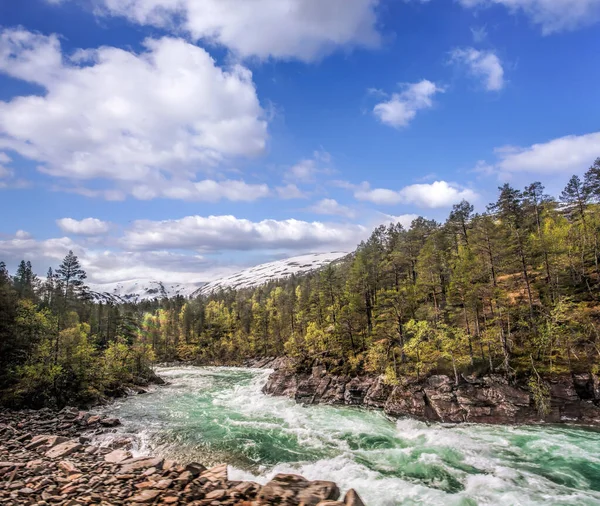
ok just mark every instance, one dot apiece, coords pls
pixel 218 414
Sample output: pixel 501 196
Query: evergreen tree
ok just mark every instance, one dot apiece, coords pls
pixel 72 277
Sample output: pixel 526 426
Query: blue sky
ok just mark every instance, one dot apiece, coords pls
pixel 179 140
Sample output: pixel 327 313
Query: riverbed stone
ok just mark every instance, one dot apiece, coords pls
pixel 352 498
pixel 318 491
pixel 63 449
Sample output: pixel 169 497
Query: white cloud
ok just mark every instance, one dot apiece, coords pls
pixel 285 29
pixel 483 65
pixel 290 191
pixel 133 118
pixel 402 107
pixel 434 195
pixel 87 226
pixel 207 190
pixel 105 266
pixel 22 234
pixel 230 233
pixel 565 155
pixel 404 219
pixel 306 171
pixel 552 15
pixel 303 172
pixel 332 207
pixel 479 33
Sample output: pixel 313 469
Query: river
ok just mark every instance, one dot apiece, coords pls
pixel 218 414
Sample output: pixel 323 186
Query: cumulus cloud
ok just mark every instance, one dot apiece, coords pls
pixel 435 195
pixel 207 190
pixel 285 29
pixel 109 113
pixel 401 108
pixel 565 155
pixel 105 266
pixel 331 207
pixel 290 191
pixel 404 219
pixel 483 65
pixel 87 226
pixel 230 233
pixel 307 170
pixel 552 15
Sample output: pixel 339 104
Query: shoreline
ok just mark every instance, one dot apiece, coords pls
pixel 49 457
pixel 573 400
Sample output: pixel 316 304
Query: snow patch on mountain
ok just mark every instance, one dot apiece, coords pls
pixel 137 290
pixel 261 274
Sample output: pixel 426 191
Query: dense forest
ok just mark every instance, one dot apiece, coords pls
pixel 514 290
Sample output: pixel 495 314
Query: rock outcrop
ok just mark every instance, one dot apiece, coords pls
pixel 490 399
pixel 49 458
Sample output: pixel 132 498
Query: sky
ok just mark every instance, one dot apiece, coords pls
pixel 181 140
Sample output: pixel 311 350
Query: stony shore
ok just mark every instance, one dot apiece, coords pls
pixel 489 399
pixel 49 458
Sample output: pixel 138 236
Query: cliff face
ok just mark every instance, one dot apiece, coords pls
pixel 490 399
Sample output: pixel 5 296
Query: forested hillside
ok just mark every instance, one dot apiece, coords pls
pixel 513 290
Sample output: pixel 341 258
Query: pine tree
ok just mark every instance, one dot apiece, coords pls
pixel 591 181
pixel 72 276
pixel 577 195
pixel 537 200
pixel 459 219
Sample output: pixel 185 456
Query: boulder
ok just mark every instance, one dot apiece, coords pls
pixel 407 401
pixel 63 450
pixel 117 456
pixel 145 496
pixel 281 383
pixel 353 499
pixel 357 389
pixel 318 491
pixel 378 393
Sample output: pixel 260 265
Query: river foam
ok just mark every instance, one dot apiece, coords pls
pixel 218 414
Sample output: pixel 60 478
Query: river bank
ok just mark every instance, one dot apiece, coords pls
pixel 49 457
pixel 490 399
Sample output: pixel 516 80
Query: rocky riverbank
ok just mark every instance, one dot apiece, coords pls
pixel 49 458
pixel 489 399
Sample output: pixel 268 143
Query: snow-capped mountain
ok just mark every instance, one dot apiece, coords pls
pixel 255 276
pixel 137 290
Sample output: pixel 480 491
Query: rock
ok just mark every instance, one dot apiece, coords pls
pixel 247 488
pixel 281 383
pixel 406 401
pixel 117 456
pixel 185 476
pixel 352 498
pixel 217 473
pixel 318 491
pixel 195 468
pixel 142 463
pixel 26 491
pixel 336 389
pixel 93 419
pixel 282 489
pixel 63 450
pixel 163 484
pixel 378 393
pixel 110 422
pixel 68 467
pixel 145 496
pixel 357 389
pixel 45 440
pixel 330 503
pixel 216 495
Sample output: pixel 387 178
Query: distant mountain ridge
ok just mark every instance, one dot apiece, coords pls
pixel 138 290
